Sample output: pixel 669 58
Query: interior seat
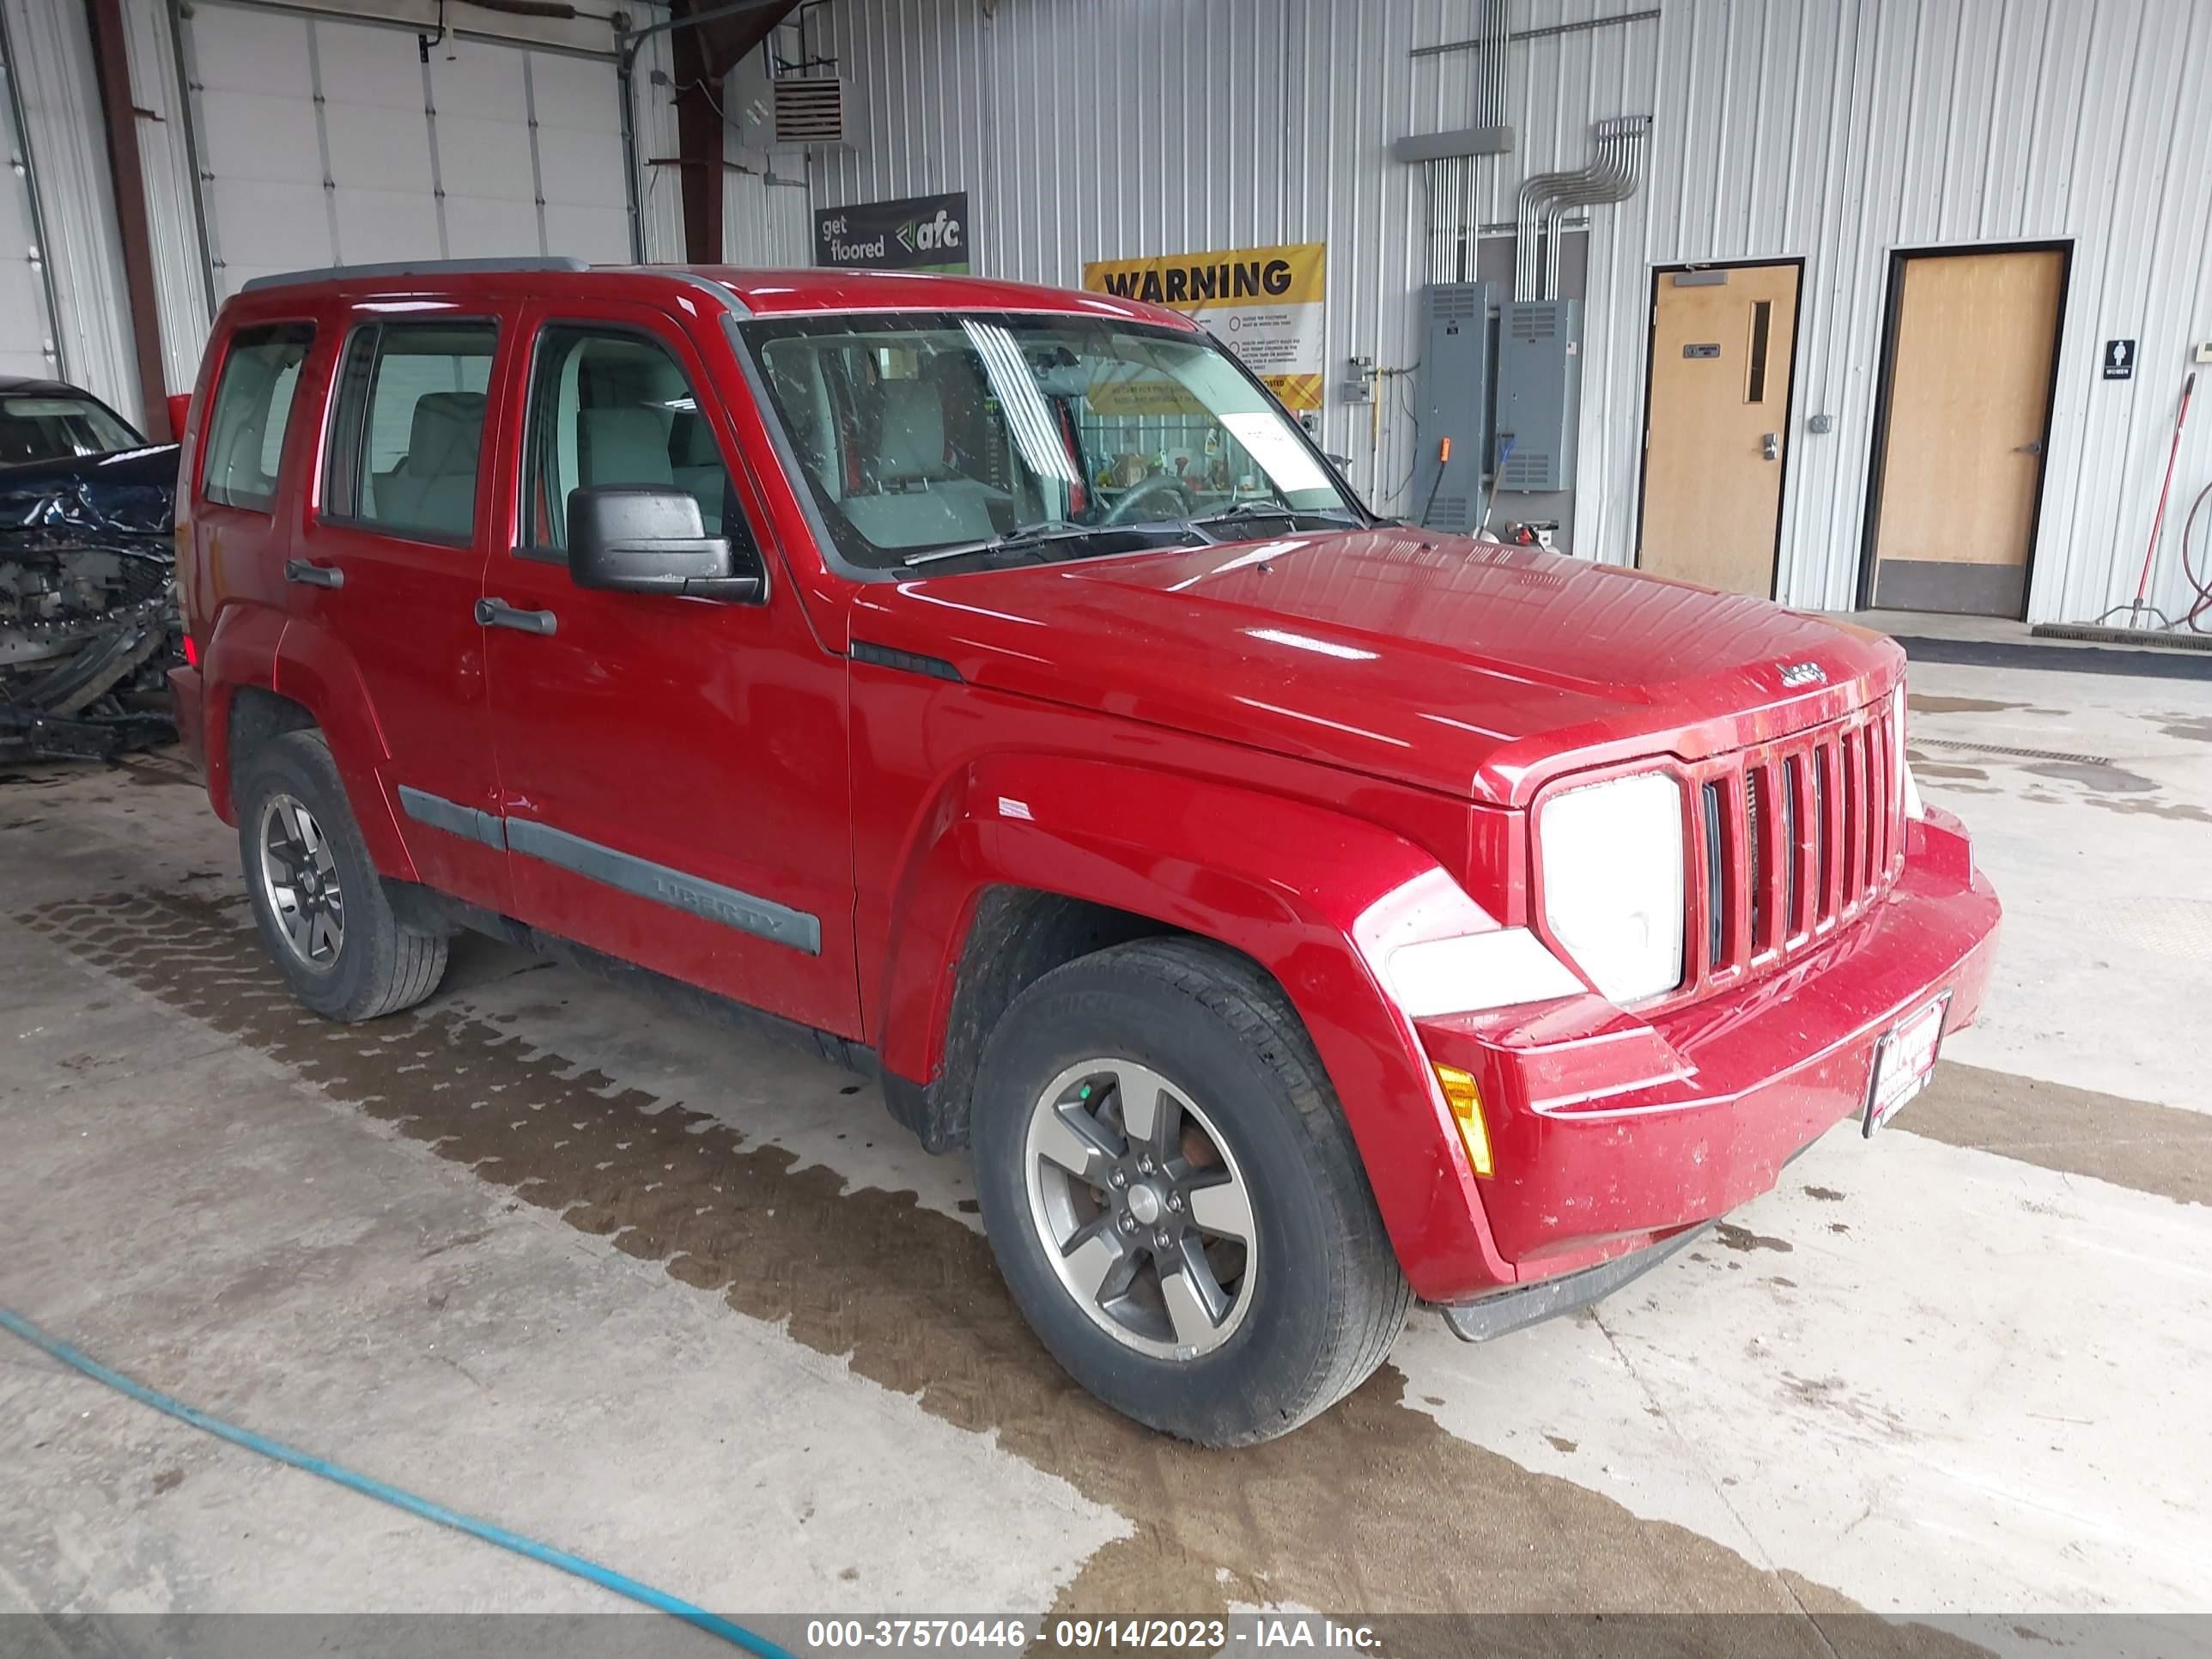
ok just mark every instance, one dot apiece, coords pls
pixel 434 487
pixel 919 500
pixel 699 466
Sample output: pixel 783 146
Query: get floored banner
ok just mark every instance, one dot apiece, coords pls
pixel 1264 302
pixel 917 232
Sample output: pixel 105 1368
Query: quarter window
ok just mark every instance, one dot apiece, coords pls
pixel 610 407
pixel 252 402
pixel 408 436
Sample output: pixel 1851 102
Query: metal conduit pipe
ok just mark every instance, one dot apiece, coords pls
pixel 1527 218
pixel 1619 150
pixel 1611 177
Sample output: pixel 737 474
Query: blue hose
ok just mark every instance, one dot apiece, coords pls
pixel 607 1577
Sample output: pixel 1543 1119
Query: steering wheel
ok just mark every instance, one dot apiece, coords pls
pixel 1153 488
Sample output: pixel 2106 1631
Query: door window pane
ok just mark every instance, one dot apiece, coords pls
pixel 410 431
pixel 252 401
pixel 608 407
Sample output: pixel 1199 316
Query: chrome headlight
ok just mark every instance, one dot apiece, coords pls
pixel 1612 878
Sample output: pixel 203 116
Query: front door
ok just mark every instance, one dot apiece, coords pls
pixel 674 769
pixel 1969 404
pixel 1723 344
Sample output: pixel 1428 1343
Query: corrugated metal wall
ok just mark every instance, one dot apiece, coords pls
pixel 60 95
pixel 165 154
pixel 1821 129
pixel 767 222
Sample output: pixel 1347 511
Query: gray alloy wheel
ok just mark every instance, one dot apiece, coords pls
pixel 1141 1208
pixel 300 879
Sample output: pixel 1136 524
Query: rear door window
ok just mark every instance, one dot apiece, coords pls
pixel 407 435
pixel 252 404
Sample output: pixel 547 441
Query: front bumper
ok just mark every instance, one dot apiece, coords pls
pixel 1611 1133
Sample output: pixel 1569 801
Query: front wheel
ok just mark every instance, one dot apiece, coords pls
pixel 322 914
pixel 1175 1199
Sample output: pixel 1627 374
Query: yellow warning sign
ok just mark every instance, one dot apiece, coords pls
pixel 1265 303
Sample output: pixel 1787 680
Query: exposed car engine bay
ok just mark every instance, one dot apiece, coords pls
pixel 88 623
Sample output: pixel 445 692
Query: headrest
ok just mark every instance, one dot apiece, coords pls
pixel 913 442
pixel 624 445
pixel 447 432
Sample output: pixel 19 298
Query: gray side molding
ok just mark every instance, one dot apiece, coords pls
pixel 657 882
pixel 452 817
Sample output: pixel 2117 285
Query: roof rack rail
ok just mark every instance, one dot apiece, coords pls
pixel 410 268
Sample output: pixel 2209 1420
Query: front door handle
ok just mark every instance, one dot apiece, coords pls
pixel 2032 446
pixel 1770 446
pixel 314 575
pixel 498 613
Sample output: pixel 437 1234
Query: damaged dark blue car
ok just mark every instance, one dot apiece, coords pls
pixel 89 622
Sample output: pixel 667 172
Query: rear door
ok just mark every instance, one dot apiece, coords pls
pixel 673 769
pixel 384 575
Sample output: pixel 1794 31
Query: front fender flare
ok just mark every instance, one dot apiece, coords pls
pixel 1314 897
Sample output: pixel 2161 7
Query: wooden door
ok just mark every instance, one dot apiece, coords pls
pixel 1969 398
pixel 1723 342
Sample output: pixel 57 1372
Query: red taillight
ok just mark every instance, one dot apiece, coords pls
pixel 191 652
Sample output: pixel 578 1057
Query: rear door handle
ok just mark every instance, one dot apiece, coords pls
pixel 498 613
pixel 314 575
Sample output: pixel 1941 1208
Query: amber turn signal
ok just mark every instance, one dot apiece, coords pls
pixel 1466 1103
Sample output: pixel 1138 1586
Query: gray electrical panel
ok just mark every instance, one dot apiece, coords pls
pixel 1540 385
pixel 1452 400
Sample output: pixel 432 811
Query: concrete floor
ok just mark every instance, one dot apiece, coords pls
pixel 698 1310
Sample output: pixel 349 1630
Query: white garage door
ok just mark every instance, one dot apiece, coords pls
pixel 27 325
pixel 323 144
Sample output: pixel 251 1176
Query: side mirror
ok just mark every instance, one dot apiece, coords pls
pixel 180 408
pixel 648 538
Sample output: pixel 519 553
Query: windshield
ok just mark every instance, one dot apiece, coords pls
pixel 47 428
pixel 926 436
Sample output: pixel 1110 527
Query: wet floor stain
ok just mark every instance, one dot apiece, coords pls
pixel 1733 1238
pixel 2179 810
pixel 2190 728
pixel 1825 1194
pixel 2100 776
pixel 1923 703
pixel 1947 770
pixel 1373 1505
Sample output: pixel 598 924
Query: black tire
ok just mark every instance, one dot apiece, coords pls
pixel 1328 1297
pixel 380 965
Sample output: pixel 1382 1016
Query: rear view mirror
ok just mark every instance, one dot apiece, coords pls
pixel 649 538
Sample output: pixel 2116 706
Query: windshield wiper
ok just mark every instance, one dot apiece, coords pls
pixel 1020 536
pixel 1026 538
pixel 1275 509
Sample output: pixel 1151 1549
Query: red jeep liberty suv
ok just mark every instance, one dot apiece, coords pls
pixel 1296 912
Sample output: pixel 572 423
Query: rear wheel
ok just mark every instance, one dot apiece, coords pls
pixel 1173 1197
pixel 322 912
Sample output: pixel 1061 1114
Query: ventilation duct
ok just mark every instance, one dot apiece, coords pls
pixel 1545 197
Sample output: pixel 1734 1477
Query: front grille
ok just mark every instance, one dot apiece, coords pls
pixel 1795 838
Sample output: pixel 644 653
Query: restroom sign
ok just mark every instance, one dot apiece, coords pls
pixel 2119 360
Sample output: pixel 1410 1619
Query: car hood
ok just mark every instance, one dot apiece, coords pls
pixel 1456 665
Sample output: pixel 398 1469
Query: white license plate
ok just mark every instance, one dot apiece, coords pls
pixel 1904 1061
